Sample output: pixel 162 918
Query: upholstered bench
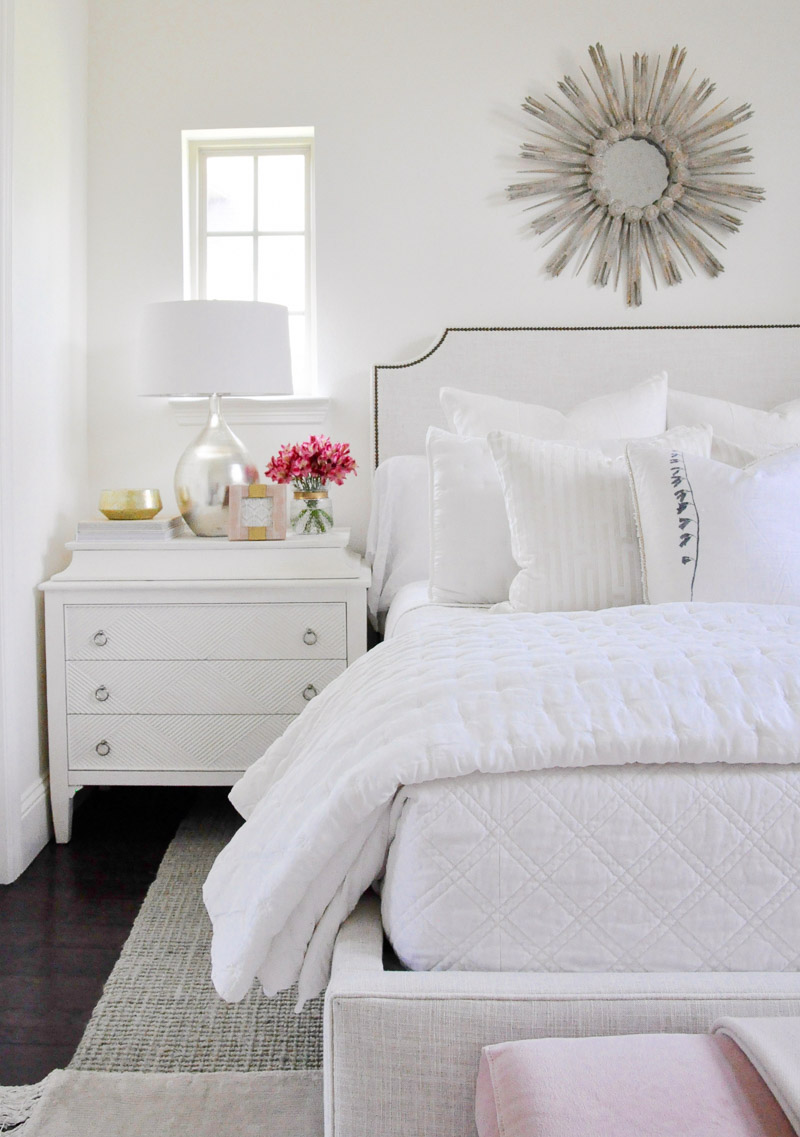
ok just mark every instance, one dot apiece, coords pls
pixel 402 1048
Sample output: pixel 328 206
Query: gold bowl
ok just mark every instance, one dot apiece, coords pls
pixel 129 505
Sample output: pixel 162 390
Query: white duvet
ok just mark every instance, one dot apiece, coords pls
pixel 489 692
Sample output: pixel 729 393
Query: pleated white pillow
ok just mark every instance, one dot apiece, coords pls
pixel 712 532
pixel 638 412
pixel 570 512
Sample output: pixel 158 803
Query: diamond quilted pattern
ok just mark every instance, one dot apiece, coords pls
pixel 666 685
pixel 629 868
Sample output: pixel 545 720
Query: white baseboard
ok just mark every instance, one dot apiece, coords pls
pixel 37 825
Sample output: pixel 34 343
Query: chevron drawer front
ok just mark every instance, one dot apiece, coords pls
pixel 197 687
pixel 161 743
pixel 206 631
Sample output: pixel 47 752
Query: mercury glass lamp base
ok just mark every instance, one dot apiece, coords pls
pixel 215 460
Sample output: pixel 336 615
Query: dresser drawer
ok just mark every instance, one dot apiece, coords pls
pixel 197 687
pixel 170 742
pixel 206 631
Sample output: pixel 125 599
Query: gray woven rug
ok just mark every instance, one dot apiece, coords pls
pixel 159 1011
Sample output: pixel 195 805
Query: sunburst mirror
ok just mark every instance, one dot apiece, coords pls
pixel 639 169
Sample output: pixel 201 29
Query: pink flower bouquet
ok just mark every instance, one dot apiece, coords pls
pixel 309 466
pixel 312 464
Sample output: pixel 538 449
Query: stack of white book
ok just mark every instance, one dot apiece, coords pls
pixel 153 529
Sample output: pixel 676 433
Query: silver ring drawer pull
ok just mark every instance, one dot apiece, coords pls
pixel 101 694
pixel 103 748
pixel 309 637
pixel 310 692
pixel 100 638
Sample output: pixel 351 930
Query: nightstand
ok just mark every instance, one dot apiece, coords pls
pixel 178 662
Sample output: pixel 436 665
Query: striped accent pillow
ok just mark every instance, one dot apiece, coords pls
pixel 573 530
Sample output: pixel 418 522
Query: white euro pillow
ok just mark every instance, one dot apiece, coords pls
pixel 638 412
pixel 712 532
pixel 571 519
pixel 762 432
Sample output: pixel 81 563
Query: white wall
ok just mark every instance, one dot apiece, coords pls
pixel 417 119
pixel 44 421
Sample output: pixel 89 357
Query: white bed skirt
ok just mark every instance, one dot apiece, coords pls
pixel 402 1048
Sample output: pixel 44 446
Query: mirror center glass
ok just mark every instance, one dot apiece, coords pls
pixel 635 171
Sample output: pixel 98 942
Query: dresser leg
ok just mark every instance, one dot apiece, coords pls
pixel 61 800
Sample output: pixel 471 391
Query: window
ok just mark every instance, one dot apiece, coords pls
pixel 248 227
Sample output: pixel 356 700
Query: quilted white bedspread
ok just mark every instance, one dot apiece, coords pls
pixel 610 868
pixel 491 692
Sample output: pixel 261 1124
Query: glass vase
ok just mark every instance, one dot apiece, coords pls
pixel 310 512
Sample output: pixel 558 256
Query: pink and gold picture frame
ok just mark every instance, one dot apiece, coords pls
pixel 257 513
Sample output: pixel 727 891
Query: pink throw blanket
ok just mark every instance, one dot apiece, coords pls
pixel 655 1085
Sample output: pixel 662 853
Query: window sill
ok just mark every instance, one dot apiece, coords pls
pixel 268 409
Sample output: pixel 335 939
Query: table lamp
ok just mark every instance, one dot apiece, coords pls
pixel 213 348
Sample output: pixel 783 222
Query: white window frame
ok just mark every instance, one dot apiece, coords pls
pixel 305 405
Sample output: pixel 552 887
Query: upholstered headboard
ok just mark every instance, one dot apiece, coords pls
pixel 758 365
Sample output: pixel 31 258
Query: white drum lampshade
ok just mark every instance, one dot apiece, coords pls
pixel 214 348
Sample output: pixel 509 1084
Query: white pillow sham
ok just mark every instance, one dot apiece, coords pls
pixel 732 454
pixel 398 549
pixel 638 412
pixel 573 532
pixel 711 532
pixel 470 545
pixel 762 432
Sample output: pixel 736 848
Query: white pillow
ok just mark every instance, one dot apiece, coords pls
pixel 470 544
pixel 398 548
pixel 762 432
pixel 723 450
pixel 712 532
pixel 573 532
pixel 636 413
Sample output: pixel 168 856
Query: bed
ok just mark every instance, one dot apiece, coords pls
pixel 533 922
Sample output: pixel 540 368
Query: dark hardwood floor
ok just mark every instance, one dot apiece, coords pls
pixel 63 923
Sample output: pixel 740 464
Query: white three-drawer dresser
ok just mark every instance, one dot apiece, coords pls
pixel 179 662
